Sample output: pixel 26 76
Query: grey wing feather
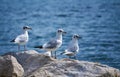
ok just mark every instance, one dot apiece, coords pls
pixel 72 49
pixel 51 44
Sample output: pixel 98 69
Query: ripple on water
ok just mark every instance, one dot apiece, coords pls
pixel 97 21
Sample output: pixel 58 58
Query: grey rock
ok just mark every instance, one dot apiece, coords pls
pixel 31 60
pixel 75 68
pixel 9 67
pixel 39 65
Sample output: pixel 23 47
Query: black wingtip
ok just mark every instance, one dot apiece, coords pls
pixel 62 53
pixel 38 47
pixel 12 40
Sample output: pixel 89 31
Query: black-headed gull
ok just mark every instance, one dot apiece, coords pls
pixel 23 38
pixel 73 46
pixel 53 44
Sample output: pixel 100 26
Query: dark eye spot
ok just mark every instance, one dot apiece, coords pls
pixel 59 31
pixel 24 27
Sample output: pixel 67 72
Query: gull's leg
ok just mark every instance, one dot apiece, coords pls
pixel 75 57
pixel 18 47
pixel 51 54
pixel 55 55
pixel 69 57
pixel 24 47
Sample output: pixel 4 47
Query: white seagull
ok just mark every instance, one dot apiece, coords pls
pixel 73 47
pixel 23 38
pixel 53 44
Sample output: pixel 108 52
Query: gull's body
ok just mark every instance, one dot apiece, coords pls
pixel 53 44
pixel 23 38
pixel 73 47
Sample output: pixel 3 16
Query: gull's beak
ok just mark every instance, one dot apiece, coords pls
pixel 30 28
pixel 64 32
pixel 79 37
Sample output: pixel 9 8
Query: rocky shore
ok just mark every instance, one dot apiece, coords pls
pixel 33 64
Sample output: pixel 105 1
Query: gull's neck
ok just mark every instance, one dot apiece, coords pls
pixel 75 41
pixel 26 32
pixel 59 36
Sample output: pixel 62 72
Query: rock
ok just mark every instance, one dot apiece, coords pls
pixel 9 67
pixel 39 65
pixel 75 68
pixel 31 60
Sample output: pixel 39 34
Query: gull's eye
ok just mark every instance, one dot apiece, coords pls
pixel 24 27
pixel 59 30
pixel 76 36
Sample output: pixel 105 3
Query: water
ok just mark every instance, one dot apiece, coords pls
pixel 97 21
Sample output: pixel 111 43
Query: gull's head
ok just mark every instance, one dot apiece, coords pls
pixel 61 31
pixel 76 36
pixel 27 28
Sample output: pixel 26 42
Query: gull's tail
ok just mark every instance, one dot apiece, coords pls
pixel 62 53
pixel 39 47
pixel 12 40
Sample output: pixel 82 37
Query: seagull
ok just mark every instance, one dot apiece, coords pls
pixel 73 47
pixel 23 38
pixel 53 44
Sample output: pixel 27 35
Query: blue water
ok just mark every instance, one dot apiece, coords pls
pixel 97 21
